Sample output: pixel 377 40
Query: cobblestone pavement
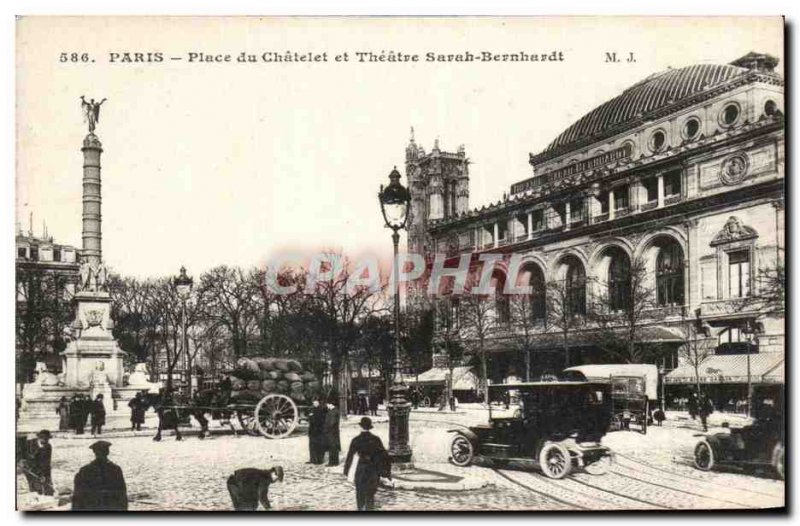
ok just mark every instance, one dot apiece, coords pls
pixel 652 471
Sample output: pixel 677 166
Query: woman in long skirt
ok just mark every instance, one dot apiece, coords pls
pixel 63 414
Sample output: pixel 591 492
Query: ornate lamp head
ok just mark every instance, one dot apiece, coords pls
pixel 183 284
pixel 395 200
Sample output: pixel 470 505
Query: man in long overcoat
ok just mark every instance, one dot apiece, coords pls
pixel 332 440
pixel 373 462
pixel 137 405
pixel 100 485
pixel 98 411
pixel 316 433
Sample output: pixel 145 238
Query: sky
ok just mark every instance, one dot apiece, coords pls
pixel 227 163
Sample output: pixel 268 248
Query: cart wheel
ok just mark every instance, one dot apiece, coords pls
pixel 248 422
pixel 703 456
pixel 599 466
pixel 461 451
pixel 276 416
pixel 777 460
pixel 616 423
pixel 425 402
pixel 555 460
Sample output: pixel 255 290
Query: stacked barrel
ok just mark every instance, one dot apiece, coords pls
pixel 255 378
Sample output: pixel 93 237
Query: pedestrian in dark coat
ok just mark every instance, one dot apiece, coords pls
pixel 98 411
pixel 100 485
pixel 38 464
pixel 373 405
pixel 63 414
pixel 332 440
pixel 316 433
pixel 249 486
pixel 77 414
pixel 137 405
pixel 85 405
pixel 372 464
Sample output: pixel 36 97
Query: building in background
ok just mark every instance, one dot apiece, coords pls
pixel 46 276
pixel 677 184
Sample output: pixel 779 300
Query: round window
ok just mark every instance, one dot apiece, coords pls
pixel 691 128
pixel 730 114
pixel 657 141
pixel 770 108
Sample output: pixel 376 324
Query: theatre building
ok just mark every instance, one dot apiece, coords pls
pixel 667 200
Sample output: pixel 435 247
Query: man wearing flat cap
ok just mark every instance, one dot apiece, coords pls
pixel 249 486
pixel 99 485
pixel 373 462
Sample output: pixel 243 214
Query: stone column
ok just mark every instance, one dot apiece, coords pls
pixel 567 214
pixel 660 190
pixel 530 225
pixel 496 233
pixel 611 204
pixel 92 249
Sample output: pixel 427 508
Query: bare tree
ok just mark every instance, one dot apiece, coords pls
pixel 227 295
pixel 528 320
pixel 697 345
pixel 340 307
pixel 449 344
pixel 620 310
pixel 565 311
pixel 478 323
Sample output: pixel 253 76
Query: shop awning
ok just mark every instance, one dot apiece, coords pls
pixel 555 340
pixel 463 378
pixel 732 368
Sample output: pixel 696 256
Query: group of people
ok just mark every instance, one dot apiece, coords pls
pixel 365 404
pixel 80 409
pixel 98 486
pixel 700 406
pixel 373 459
pixel 323 433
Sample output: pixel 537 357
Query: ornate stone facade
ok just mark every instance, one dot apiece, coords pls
pixel 682 172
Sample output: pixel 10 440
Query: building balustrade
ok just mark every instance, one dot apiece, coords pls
pixel 671 200
pixel 599 218
pixel 650 205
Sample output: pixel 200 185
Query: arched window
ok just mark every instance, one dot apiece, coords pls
pixel 619 281
pixel 669 274
pixel 501 304
pixel 575 287
pixel 533 277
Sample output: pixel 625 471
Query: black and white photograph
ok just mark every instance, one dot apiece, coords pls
pixel 399 264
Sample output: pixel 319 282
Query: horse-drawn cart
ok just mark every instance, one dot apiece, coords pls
pixel 267 397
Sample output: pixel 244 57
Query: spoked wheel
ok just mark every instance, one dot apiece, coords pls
pixel 777 460
pixel 248 422
pixel 461 451
pixel 616 423
pixel 425 402
pixel 555 460
pixel 276 416
pixel 703 456
pixel 599 466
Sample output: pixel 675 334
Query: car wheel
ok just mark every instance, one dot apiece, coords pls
pixel 599 466
pixel 777 460
pixel 461 451
pixel 555 460
pixel 703 456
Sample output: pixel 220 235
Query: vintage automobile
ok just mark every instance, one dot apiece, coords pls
pixel 558 426
pixel 634 391
pixel 760 444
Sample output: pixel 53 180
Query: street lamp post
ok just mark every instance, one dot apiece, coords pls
pixel 395 200
pixel 183 285
pixel 750 331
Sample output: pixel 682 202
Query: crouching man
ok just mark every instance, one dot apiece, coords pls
pixel 249 486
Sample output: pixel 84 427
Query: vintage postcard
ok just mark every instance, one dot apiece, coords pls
pixel 400 264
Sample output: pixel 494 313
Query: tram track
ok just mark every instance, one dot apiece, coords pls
pixel 647 476
pixel 676 474
pixel 538 492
